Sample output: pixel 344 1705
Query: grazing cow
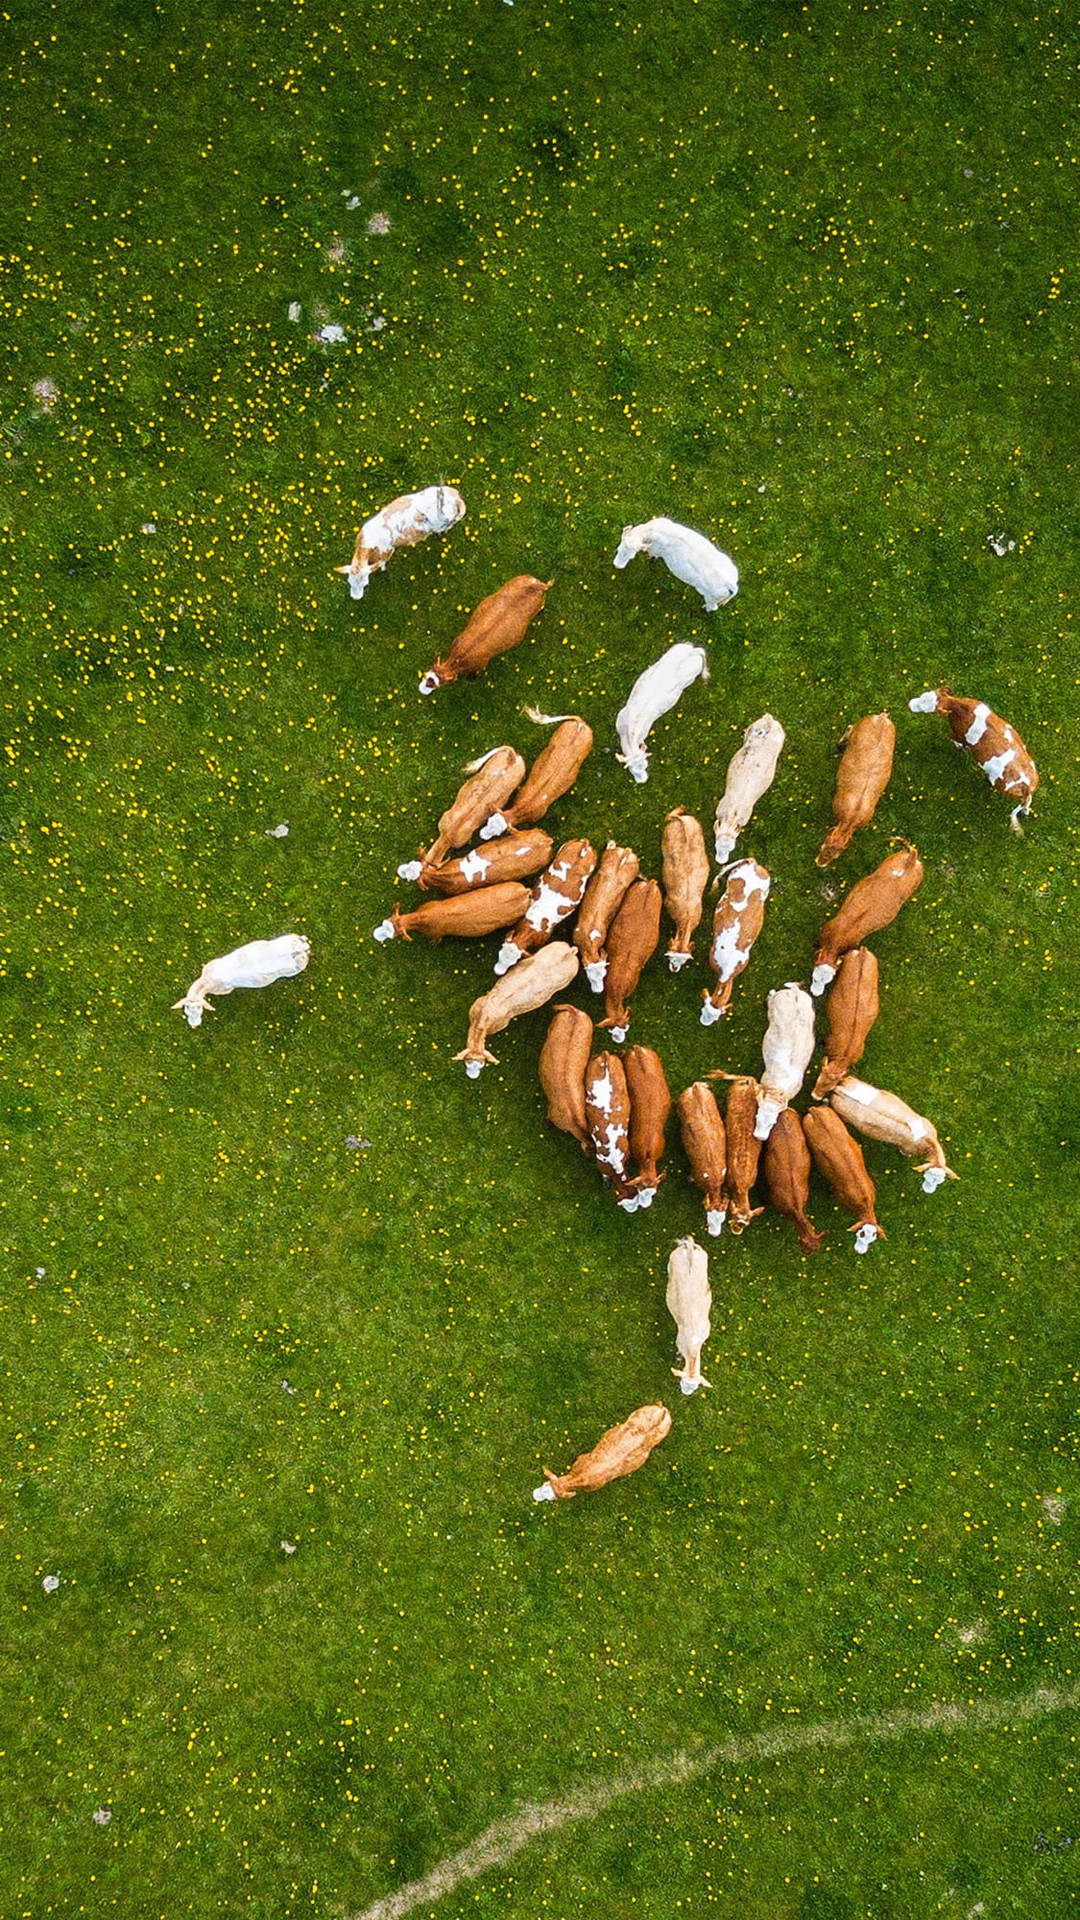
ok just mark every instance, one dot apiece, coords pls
pixel 743 1147
pixel 861 779
pixel 689 555
pixel 528 986
pixel 653 693
pixel 786 1165
pixel 516 856
pixel 465 915
pixel 786 1050
pixel 494 777
pixel 740 913
pixel 998 749
pixel 705 1146
pixel 255 965
pixel 650 1108
pixel 618 867
pixel 839 1158
pixel 685 874
pixel 632 939
pixel 496 625
pixel 409 518
pixel 883 1116
pixel 552 774
pixel 874 901
pixel 851 1008
pixel 619 1451
pixel 689 1299
pixel 564 1059
pixel 607 1116
pixel 553 899
pixel 750 773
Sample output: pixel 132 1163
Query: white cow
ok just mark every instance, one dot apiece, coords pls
pixel 406 520
pixel 687 554
pixel 252 966
pixel 689 1299
pixel 786 1050
pixel 653 693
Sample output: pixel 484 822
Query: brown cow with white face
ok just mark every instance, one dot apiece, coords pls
pixel 884 1116
pixel 516 856
pixel 786 1164
pixel 743 1148
pixel 536 980
pixel 874 901
pixel 613 875
pixel 619 1451
pixel 465 915
pixel 632 939
pixel 999 750
pixel 564 1060
pixel 739 917
pixel 496 625
pixel 552 773
pixel 685 874
pixel 494 777
pixel 650 1109
pixel 553 899
pixel 607 1116
pixel 705 1146
pixel 851 1009
pixel 839 1158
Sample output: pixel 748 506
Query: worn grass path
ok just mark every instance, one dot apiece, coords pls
pixel 504 1838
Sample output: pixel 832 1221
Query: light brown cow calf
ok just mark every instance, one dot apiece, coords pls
pixel 874 901
pixel 839 1158
pixel 619 1451
pixel 705 1146
pixel 497 624
pixel 615 872
pixel 851 1009
pixel 786 1165
pixel 535 981
pixel 632 939
pixel 552 773
pixel 999 750
pixel 494 777
pixel 739 917
pixel 650 1109
pixel 685 874
pixel 564 1060
pixel 861 779
pixel 884 1116
pixel 465 915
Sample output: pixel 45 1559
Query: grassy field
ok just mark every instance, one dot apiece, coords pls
pixel 272 1405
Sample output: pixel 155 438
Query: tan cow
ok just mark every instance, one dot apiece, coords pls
pixel 553 899
pixel 839 1158
pixel 564 1060
pixel 532 984
pixel 883 1116
pixel 851 1009
pixel 650 1109
pixel 494 777
pixel 465 915
pixel 552 773
pixel 632 939
pixel 999 750
pixel 786 1051
pixel 497 624
pixel 739 917
pixel 786 1165
pixel 743 1148
pixel 861 779
pixel 705 1146
pixel 607 1116
pixel 874 901
pixel 749 775
pixel 685 875
pixel 689 1301
pixel 406 520
pixel 515 856
pixel 617 868
pixel 619 1451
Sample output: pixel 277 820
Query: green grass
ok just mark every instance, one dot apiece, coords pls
pixel 804 277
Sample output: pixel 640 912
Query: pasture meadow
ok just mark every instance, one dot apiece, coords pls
pixel 293 1314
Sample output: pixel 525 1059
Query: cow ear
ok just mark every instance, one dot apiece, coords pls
pixel 177 1004
pixel 342 569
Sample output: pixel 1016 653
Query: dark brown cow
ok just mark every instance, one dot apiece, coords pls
pixel 786 1163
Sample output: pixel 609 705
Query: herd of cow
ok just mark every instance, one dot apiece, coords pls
pixel 618 1106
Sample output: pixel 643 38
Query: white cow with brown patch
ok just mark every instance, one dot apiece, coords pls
pixel 402 523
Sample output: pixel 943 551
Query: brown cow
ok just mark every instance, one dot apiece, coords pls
pixel 484 910
pixel 496 625
pixel 743 1148
pixel 619 1451
pixel 604 895
pixel 607 1116
pixel 552 773
pixel 495 775
pixel 839 1158
pixel 873 902
pixel 633 937
pixel 851 1009
pixel 999 750
pixel 685 874
pixel 553 899
pixel 861 779
pixel 739 917
pixel 536 980
pixel 650 1109
pixel 705 1146
pixel 516 856
pixel 564 1059
pixel 786 1163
